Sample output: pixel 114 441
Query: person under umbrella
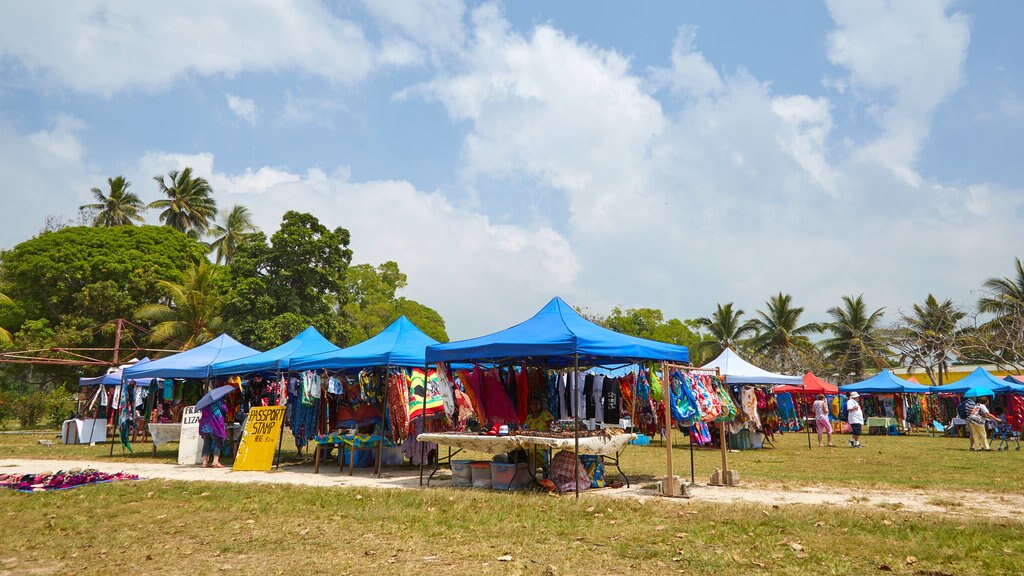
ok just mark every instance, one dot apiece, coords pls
pixel 211 424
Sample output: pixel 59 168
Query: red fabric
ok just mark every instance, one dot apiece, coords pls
pixel 497 404
pixel 1015 412
pixel 522 394
pixel 812 385
pixel 562 472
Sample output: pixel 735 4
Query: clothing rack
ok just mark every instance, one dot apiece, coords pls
pixel 666 396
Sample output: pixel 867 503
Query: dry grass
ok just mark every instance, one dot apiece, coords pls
pixel 158 527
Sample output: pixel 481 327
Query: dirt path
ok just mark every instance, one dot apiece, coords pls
pixel 998 506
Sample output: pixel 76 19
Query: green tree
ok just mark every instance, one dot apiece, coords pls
pixel 857 340
pixel 1000 340
pixel 237 225
pixel 928 337
pixel 1004 296
pixel 193 315
pixel 372 303
pixel 726 329
pixel 69 285
pixel 301 271
pixel 119 207
pixel 5 335
pixel 778 330
pixel 650 323
pixel 189 206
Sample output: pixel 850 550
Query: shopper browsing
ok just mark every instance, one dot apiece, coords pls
pixel 855 417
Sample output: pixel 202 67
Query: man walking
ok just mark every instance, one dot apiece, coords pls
pixel 855 416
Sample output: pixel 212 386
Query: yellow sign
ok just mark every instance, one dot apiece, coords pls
pixel 260 438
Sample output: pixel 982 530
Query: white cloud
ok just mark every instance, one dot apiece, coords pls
pixel 105 47
pixel 45 174
pixel 690 74
pixel 244 108
pixel 908 57
pixel 300 109
pixel 436 25
pixel 457 260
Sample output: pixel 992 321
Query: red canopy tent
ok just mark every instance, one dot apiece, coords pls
pixel 812 385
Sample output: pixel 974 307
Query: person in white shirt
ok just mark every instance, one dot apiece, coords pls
pixel 855 416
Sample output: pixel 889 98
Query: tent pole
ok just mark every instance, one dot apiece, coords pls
pixel 280 435
pixel 383 383
pixel 576 420
pixel 423 421
pixel 666 395
pixel 723 440
pixel 803 394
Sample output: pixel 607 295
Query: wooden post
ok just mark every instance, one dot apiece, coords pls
pixel 666 396
pixel 722 438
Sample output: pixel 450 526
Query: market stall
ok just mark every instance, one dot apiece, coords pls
pixel 96 413
pixel 544 353
pixel 890 402
pixel 376 385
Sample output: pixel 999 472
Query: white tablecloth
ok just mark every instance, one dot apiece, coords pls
pixel 164 433
pixel 604 445
pixel 81 431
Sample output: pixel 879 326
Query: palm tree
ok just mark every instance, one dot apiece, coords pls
pixel 237 225
pixel 932 332
pixel 725 328
pixel 1005 295
pixel 118 208
pixel 189 205
pixel 778 330
pixel 856 337
pixel 5 336
pixel 193 316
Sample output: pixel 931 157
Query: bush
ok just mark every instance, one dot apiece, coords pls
pixel 8 405
pixel 30 408
pixel 59 405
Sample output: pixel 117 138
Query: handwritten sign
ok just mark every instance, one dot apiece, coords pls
pixel 190 446
pixel 260 438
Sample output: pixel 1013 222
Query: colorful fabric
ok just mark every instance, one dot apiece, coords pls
pixel 397 395
pixel 748 400
pixel 418 386
pixel 566 471
pixel 729 411
pixel 61 480
pixel 211 420
pixel 539 423
pixel 682 405
pixel 594 465
pixel 497 404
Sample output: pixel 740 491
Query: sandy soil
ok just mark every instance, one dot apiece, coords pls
pixel 997 506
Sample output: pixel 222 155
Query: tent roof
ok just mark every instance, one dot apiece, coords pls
pixel 400 344
pixel 812 385
pixel 736 370
pixel 194 363
pixel 306 343
pixel 885 382
pixel 113 377
pixel 979 379
pixel 552 336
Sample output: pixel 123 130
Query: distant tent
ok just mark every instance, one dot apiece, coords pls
pixel 194 363
pixel 306 343
pixel 400 344
pixel 812 385
pixel 885 382
pixel 736 370
pixel 979 379
pixel 113 377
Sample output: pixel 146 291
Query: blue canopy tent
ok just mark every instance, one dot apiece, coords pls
pixel 400 344
pixel 885 382
pixel 112 378
pixel 979 379
pixel 194 363
pixel 557 337
pixel 306 343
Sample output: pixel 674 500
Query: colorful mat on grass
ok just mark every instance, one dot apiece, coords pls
pixel 61 480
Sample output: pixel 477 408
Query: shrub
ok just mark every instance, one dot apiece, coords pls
pixel 59 404
pixel 30 408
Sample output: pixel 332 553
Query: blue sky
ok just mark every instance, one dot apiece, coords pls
pixel 661 154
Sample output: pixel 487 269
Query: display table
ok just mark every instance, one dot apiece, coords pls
pixel 606 444
pixel 353 442
pixel 880 422
pixel 83 431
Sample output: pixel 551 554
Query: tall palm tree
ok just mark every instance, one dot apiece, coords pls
pixel 778 330
pixel 189 206
pixel 237 225
pixel 725 328
pixel 932 330
pixel 117 208
pixel 857 340
pixel 193 316
pixel 5 336
pixel 1005 295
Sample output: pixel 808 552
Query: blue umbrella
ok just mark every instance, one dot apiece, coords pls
pixel 978 391
pixel 214 395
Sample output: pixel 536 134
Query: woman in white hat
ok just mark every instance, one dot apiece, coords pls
pixel 855 416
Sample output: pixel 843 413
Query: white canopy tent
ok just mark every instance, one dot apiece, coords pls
pixel 736 370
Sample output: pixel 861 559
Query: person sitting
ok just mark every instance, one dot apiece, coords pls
pixel 539 420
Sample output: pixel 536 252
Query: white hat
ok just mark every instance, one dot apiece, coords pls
pixel 854 395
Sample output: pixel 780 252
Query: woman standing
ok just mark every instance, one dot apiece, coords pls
pixel 821 423
pixel 211 428
pixel 976 420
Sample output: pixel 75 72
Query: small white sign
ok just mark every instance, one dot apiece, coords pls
pixel 190 446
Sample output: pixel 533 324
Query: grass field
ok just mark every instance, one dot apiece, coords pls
pixel 162 527
pixel 918 462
